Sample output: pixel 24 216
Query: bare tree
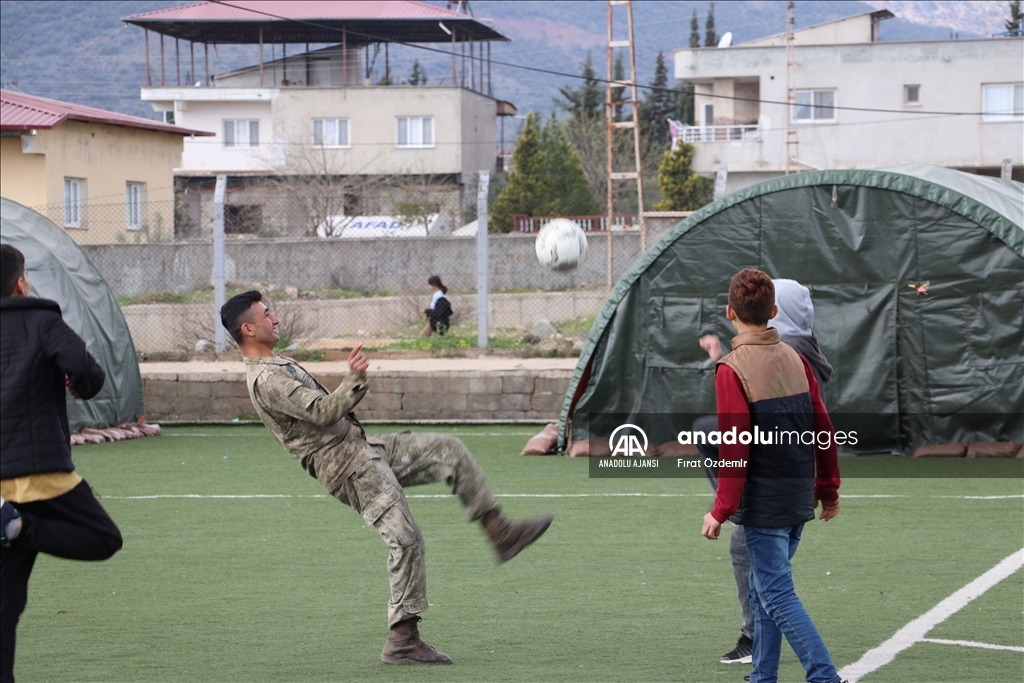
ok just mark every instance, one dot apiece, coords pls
pixel 322 187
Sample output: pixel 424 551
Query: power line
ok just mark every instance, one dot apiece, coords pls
pixel 601 81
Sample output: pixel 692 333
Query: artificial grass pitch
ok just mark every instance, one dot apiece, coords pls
pixel 237 567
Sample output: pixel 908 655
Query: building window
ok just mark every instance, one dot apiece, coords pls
pixel 815 105
pixel 415 131
pixel 330 132
pixel 1002 101
pixel 912 94
pixel 169 117
pixel 241 133
pixel 74 199
pixel 135 197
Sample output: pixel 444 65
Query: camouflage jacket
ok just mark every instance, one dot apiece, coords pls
pixel 315 426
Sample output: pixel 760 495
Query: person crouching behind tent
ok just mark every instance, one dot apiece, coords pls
pixel 44 506
pixel 440 312
pixel 764 383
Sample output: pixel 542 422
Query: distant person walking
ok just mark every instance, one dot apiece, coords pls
pixel 440 312
pixel 44 506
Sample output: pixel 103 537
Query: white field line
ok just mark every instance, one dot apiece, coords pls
pixel 971 643
pixel 262 434
pixel 528 495
pixel 915 631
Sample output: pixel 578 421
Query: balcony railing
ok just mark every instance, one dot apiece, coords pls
pixel 525 223
pixel 747 133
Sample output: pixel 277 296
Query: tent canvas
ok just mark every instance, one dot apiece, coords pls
pixel 58 269
pixel 913 365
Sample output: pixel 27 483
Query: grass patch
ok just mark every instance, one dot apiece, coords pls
pixel 453 341
pixel 224 587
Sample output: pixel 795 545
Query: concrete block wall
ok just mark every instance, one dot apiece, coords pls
pixel 364 265
pixel 394 396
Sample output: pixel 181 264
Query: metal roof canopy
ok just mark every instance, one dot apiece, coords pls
pixel 20 111
pixel 362 22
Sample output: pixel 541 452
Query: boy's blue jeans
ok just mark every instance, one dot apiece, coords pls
pixel 778 611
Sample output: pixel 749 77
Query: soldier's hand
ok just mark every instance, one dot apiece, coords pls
pixel 357 360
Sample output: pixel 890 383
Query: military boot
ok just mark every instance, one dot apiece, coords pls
pixel 509 538
pixel 404 646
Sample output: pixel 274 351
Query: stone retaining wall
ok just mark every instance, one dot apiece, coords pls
pixel 393 396
pixel 175 327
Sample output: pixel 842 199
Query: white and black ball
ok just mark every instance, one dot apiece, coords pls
pixel 561 245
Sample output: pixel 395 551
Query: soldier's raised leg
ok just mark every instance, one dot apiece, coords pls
pixel 431 458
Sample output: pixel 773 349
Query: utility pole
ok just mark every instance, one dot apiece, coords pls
pixel 629 95
pixel 792 140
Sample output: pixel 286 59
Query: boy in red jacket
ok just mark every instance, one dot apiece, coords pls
pixel 777 439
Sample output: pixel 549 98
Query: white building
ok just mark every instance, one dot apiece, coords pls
pixel 857 103
pixel 324 129
pixel 305 120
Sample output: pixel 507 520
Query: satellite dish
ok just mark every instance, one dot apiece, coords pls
pixel 726 40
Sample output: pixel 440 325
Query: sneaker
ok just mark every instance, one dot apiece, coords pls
pixel 741 654
pixel 8 514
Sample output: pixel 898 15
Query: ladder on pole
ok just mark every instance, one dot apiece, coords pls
pixel 792 140
pixel 629 95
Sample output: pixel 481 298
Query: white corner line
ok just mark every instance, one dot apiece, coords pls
pixel 971 643
pixel 915 631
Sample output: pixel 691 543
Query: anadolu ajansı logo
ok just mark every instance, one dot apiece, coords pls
pixel 628 443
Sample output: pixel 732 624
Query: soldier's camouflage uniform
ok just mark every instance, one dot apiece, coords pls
pixel 319 429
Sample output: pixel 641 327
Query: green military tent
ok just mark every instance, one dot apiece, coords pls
pixel 58 269
pixel 916 274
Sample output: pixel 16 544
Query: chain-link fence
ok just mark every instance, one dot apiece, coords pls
pixel 343 267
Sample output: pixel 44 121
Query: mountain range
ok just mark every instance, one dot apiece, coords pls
pixel 82 52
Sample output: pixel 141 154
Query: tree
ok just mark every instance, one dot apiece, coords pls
pixel 528 188
pixel 569 193
pixel 710 39
pixel 682 189
pixel 418 75
pixel 619 75
pixel 1014 23
pixel 657 106
pixel 694 31
pixel 585 101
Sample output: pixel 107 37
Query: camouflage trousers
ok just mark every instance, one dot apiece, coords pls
pixel 376 492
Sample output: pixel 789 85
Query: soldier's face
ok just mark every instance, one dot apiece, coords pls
pixel 264 325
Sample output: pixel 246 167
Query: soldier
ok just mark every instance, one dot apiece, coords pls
pixel 319 429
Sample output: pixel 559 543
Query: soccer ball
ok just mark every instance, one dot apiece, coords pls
pixel 561 244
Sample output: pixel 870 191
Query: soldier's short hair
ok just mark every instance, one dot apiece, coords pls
pixel 236 311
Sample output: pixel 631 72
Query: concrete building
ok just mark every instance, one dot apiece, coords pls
pixel 327 121
pixel 102 176
pixel 857 103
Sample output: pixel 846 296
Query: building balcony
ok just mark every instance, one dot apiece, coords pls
pixel 747 133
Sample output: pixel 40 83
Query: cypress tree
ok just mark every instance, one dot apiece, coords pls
pixel 657 105
pixel 529 187
pixel 585 101
pixel 710 39
pixel 418 75
pixel 1013 24
pixel 682 189
pixel 568 192
pixel 694 31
